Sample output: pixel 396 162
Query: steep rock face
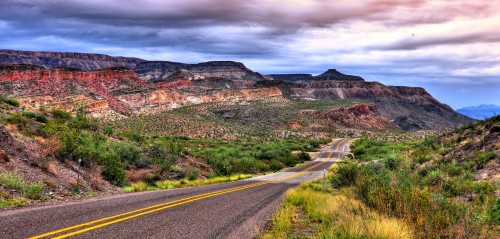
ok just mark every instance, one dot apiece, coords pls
pixel 52 60
pixel 412 108
pixel 361 116
pixel 65 103
pixel 160 71
pixel 164 100
pixel 62 83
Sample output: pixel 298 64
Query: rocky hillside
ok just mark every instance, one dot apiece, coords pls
pixel 160 70
pixel 52 60
pixel 412 108
pixel 162 85
pixel 118 89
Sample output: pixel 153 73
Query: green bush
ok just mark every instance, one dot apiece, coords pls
pixel 483 158
pixel 391 162
pixel 38 117
pixel 18 119
pixel 494 213
pixel 60 114
pixel 126 152
pixel 113 170
pixel 108 130
pixel 10 101
pixel 435 177
pixel 16 181
pixel 32 191
pixel 345 175
pixel 12 180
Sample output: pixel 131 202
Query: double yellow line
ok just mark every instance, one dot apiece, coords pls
pixel 162 206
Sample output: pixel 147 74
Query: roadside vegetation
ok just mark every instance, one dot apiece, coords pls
pixel 309 213
pixel 189 182
pixel 16 182
pixel 430 188
pixel 128 157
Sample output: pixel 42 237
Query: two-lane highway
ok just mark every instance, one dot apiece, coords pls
pixel 229 210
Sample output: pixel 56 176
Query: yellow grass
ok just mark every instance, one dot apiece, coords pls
pixel 167 184
pixel 336 216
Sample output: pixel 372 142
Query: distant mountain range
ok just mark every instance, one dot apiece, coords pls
pixel 480 112
pixel 132 86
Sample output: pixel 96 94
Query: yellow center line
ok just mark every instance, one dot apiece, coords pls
pixel 167 205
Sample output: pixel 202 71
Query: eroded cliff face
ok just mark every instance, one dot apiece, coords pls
pixel 120 90
pixel 161 100
pixel 230 70
pixel 52 60
pixel 62 84
pixel 412 108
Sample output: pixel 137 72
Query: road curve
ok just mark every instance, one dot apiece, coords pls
pixel 228 210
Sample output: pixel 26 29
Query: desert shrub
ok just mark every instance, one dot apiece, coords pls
pixel 132 135
pixel 12 180
pixel 60 114
pixel 80 145
pixel 32 191
pixel 38 117
pixel 18 119
pixel 163 154
pixel 108 130
pixel 435 177
pixel 113 170
pixel 126 152
pixel 275 165
pixel 345 175
pixel 391 162
pixel 9 101
pixel 482 158
pixel 494 212
pixel 303 156
pixel 16 181
pixel 457 187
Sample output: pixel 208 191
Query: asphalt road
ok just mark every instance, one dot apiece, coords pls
pixel 228 210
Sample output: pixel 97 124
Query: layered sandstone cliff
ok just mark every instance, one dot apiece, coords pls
pixel 119 89
pixel 161 70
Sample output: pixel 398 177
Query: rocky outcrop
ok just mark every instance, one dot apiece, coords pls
pixel 230 70
pixel 164 100
pixel 52 60
pixel 335 75
pixel 68 103
pixel 181 75
pixel 362 116
pixel 61 83
pixel 412 108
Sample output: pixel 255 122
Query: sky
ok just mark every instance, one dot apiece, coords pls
pixel 451 48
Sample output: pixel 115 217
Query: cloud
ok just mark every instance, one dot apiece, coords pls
pixel 405 42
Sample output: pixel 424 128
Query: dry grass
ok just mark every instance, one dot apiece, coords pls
pixel 167 184
pixel 337 216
